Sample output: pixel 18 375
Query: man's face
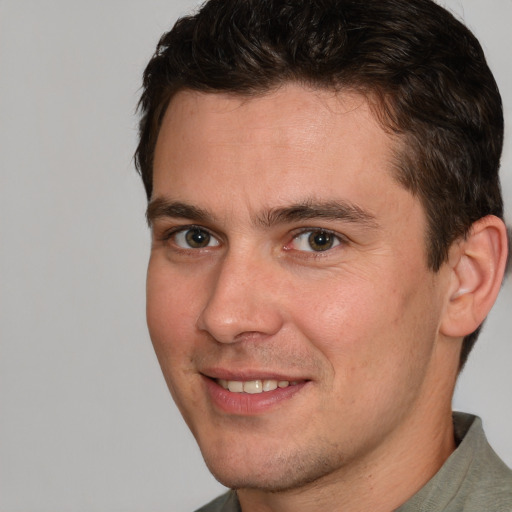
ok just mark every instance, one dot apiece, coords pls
pixel 286 257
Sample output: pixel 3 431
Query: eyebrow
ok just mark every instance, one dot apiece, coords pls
pixel 160 208
pixel 308 210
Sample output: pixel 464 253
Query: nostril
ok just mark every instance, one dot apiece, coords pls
pixel 250 336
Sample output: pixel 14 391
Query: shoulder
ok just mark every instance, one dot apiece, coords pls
pixel 488 482
pixel 473 479
pixel 227 502
pixel 489 486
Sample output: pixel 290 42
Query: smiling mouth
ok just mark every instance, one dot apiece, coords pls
pixel 247 395
pixel 254 387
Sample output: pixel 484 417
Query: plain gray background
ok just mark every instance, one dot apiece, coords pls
pixel 86 422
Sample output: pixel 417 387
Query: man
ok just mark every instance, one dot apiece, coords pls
pixel 324 199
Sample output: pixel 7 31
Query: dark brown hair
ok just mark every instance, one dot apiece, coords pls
pixel 423 71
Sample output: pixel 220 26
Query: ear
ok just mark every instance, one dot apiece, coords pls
pixel 477 265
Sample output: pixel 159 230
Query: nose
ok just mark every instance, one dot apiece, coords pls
pixel 243 301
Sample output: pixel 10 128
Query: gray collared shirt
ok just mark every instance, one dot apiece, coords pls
pixel 473 479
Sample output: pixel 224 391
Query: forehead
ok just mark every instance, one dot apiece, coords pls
pixel 285 110
pixel 276 148
pixel 290 113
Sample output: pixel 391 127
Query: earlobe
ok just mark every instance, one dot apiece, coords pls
pixel 477 269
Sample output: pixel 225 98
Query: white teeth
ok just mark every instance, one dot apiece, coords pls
pixel 235 386
pixel 269 385
pixel 253 386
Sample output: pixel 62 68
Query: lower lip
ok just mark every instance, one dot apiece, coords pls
pixel 246 404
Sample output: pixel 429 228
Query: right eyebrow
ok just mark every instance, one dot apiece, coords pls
pixel 160 208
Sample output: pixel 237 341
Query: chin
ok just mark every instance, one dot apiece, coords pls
pixel 277 472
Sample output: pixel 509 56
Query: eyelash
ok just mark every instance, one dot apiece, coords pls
pixel 338 239
pixel 170 233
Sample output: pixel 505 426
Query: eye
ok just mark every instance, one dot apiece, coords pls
pixel 194 238
pixel 317 240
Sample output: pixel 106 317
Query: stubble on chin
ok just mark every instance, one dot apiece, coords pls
pixel 280 473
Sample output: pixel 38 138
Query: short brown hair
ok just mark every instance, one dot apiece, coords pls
pixel 424 70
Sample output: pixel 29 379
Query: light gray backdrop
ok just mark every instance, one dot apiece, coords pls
pixel 86 423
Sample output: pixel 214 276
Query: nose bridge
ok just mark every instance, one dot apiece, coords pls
pixel 241 299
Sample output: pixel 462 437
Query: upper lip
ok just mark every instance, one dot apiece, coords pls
pixel 249 374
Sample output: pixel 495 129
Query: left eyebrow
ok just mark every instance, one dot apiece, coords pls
pixel 331 210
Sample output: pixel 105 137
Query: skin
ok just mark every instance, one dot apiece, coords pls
pixel 359 323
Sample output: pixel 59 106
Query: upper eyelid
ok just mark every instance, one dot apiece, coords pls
pixel 301 231
pixel 168 233
pixel 307 229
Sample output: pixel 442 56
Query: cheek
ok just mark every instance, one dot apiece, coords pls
pixel 170 313
pixel 341 312
pixel 367 323
pixel 171 321
pixel 376 344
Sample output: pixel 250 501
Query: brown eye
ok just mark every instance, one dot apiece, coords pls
pixel 195 238
pixel 315 241
pixel 320 241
